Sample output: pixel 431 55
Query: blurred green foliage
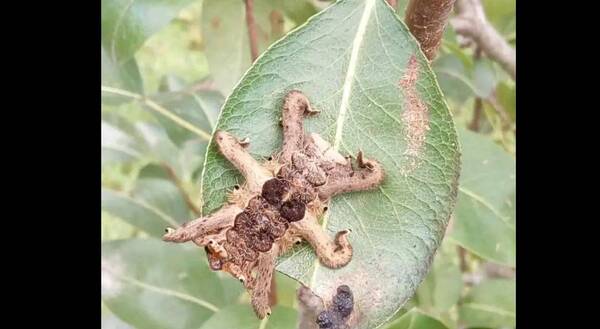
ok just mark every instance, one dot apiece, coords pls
pixel 151 170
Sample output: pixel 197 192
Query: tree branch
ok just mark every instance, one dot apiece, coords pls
pixel 252 36
pixel 472 24
pixel 426 20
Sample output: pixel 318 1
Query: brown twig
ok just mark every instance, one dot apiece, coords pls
pixel 477 109
pixel 426 20
pixel 478 105
pixel 179 184
pixel 251 29
pixel 462 256
pixel 472 24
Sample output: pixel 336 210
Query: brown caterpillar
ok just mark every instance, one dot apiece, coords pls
pixel 279 204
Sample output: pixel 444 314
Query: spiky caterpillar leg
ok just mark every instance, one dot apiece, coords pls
pixel 262 287
pixel 235 151
pixel 295 107
pixel 368 177
pixel 333 253
pixel 202 226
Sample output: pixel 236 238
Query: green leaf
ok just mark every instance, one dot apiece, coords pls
pixel 126 24
pixel 484 78
pixel 286 290
pixel 150 284
pixel 490 304
pixel 117 146
pixel 485 215
pixel 348 60
pixel 164 195
pixel 442 287
pixel 159 146
pixel 110 321
pixel 177 49
pixel 299 10
pixel 153 205
pixel 153 170
pixel 226 36
pixel 501 13
pixel 506 93
pixel 123 141
pixel 415 319
pixel 200 108
pixel 454 78
pixel 113 228
pixel 241 316
pixel 170 83
pixel 126 76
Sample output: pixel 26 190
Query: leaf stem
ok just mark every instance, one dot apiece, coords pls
pixel 158 108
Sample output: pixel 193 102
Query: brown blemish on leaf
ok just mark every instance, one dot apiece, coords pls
pixel 215 22
pixel 415 116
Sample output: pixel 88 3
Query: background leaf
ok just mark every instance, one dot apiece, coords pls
pixel 226 35
pixel 154 205
pixel 150 285
pixel 299 10
pixel 353 55
pixel 485 212
pixel 501 13
pixel 117 145
pixel 415 319
pixel 126 76
pixel 490 304
pixel 441 290
pixel 199 108
pixel 126 24
pixel 242 317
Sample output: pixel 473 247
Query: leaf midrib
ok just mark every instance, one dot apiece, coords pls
pixel 344 103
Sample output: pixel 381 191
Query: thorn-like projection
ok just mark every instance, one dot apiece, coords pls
pixel 279 204
pixel 245 142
